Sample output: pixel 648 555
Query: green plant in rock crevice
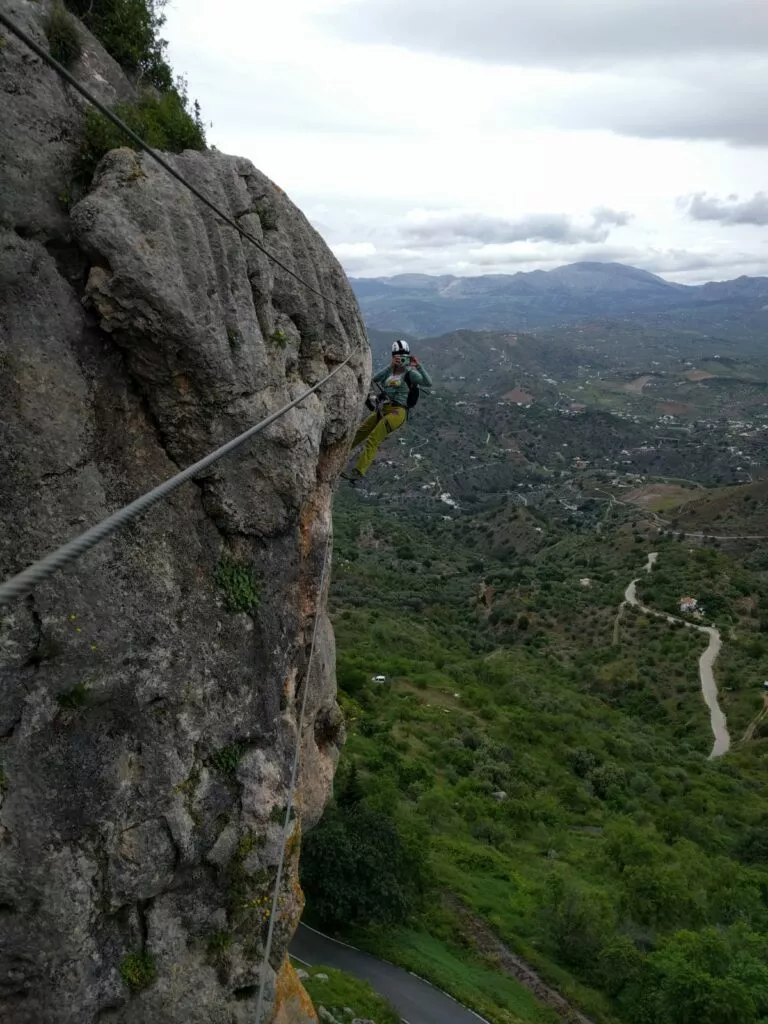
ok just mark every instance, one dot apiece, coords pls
pixel 237 585
pixel 63 38
pixel 138 970
pixel 74 699
pixel 227 758
pixel 218 944
pixel 268 218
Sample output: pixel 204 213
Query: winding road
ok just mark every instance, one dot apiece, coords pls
pixel 717 719
pixel 416 1001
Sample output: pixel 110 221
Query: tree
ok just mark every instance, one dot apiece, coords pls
pixel 351 791
pixel 705 977
pixel 359 867
pixel 577 923
pixel 752 848
pixel 619 964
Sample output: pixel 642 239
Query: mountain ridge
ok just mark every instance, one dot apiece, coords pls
pixel 428 304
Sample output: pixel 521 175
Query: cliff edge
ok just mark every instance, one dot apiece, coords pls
pixel 150 693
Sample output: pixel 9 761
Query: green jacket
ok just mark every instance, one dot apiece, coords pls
pixel 394 384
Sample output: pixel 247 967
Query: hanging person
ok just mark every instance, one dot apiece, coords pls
pixel 398 386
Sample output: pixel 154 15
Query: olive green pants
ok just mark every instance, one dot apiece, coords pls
pixel 373 430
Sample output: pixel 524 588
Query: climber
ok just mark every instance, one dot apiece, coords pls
pixel 398 386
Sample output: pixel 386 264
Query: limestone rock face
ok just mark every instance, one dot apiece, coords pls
pixel 40 120
pixel 149 695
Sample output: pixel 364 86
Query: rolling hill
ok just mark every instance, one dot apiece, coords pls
pixel 424 304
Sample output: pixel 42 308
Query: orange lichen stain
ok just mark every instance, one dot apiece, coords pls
pixel 289 688
pixel 307 519
pixel 292 1004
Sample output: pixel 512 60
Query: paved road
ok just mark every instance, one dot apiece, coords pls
pixel 416 1000
pixel 717 719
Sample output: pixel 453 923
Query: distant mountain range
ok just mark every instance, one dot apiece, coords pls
pixel 421 304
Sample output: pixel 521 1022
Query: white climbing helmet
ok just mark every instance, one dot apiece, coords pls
pixel 400 347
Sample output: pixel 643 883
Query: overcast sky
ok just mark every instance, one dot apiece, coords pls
pixel 491 136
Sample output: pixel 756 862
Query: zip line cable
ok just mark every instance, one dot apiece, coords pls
pixel 21 584
pixel 62 71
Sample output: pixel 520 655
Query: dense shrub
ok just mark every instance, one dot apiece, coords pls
pixel 63 38
pixel 360 865
pixel 163 122
pixel 128 30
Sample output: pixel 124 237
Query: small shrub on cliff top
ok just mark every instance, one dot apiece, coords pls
pixel 237 586
pixel 129 32
pixel 63 38
pixel 163 122
pixel 138 970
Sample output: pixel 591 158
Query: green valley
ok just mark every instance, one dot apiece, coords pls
pixel 534 764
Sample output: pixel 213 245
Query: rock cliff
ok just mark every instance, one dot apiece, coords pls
pixel 149 695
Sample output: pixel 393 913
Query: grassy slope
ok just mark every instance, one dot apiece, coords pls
pixel 337 991
pixel 554 715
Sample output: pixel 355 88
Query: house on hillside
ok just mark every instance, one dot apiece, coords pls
pixel 688 604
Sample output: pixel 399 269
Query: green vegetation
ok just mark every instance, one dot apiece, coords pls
pixel 279 338
pixel 162 121
pixel 268 218
pixel 129 31
pixel 552 764
pixel 342 990
pixel 461 973
pixel 238 586
pixel 277 814
pixel 235 338
pixel 63 37
pixel 226 759
pixel 138 970
pixel 74 699
pixel 247 844
pixel 361 865
pixel 735 598
pixel 218 944
pixel 3 779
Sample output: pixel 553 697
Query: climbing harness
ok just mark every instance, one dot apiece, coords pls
pixel 377 402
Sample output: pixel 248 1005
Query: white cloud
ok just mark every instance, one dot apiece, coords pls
pixel 732 210
pixel 558 33
pixel 445 228
pixel 365 135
